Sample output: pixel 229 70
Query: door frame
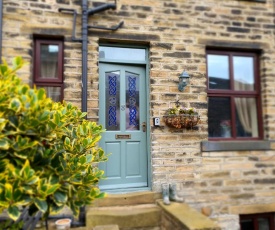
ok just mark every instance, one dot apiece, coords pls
pixel 145 64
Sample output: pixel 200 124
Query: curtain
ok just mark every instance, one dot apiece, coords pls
pixel 49 69
pixel 246 109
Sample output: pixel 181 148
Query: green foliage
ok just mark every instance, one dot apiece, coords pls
pixel 8 224
pixel 177 110
pixel 48 151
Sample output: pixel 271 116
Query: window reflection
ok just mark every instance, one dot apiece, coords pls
pixel 219 119
pixel 218 71
pixel 243 73
pixel 49 61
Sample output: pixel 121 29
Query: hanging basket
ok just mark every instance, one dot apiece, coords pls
pixel 182 120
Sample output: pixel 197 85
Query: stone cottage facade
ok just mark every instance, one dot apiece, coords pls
pixel 219 43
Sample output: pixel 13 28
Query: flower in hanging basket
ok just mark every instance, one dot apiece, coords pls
pixel 181 117
pixel 177 110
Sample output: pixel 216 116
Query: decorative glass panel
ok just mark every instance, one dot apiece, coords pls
pixel 218 71
pixel 49 61
pixel 112 100
pixel 219 119
pixel 118 53
pixel 243 73
pixel 54 92
pixel 246 117
pixel 132 101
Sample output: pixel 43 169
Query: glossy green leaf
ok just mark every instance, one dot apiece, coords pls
pixel 3 123
pixel 82 160
pixel 32 180
pixel 60 197
pixel 25 171
pixel 67 141
pixel 52 188
pixel 15 105
pixel 17 62
pixel 41 94
pixel 17 195
pixel 4 144
pixel 41 204
pixel 8 191
pixel 3 70
pixel 55 209
pixel 13 212
pixel 44 116
pixel 56 118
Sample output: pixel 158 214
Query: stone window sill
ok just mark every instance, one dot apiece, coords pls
pixel 215 146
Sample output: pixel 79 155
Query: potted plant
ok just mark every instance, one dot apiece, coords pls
pixel 225 128
pixel 178 117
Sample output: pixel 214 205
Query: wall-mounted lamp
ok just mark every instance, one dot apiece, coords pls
pixel 183 80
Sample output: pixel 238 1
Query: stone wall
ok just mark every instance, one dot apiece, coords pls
pixel 177 33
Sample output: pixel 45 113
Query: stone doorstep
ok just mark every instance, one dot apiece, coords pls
pixel 134 198
pixel 135 216
pixel 188 217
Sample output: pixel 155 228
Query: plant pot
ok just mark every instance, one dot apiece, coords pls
pixel 63 224
pixel 181 121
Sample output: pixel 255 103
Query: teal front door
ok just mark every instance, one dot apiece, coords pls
pixel 122 112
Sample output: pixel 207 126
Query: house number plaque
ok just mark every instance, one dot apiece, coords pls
pixel 123 136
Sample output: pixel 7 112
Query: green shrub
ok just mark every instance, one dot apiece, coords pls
pixel 48 150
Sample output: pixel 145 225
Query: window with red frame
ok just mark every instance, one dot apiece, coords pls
pixel 264 221
pixel 48 66
pixel 234 105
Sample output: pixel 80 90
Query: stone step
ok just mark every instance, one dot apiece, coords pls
pixel 126 217
pixel 135 198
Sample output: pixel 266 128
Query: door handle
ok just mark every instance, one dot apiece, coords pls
pixel 144 126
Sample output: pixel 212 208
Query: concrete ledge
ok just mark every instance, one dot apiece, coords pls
pixel 187 217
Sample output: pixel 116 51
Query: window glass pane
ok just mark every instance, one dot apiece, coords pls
pixel 54 92
pixel 263 224
pixel 243 73
pixel 118 53
pixel 132 100
pixel 247 225
pixel 218 71
pixel 219 117
pixel 49 61
pixel 246 117
pixel 112 80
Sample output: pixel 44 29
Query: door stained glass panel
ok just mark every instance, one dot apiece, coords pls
pixel 112 91
pixel 132 101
